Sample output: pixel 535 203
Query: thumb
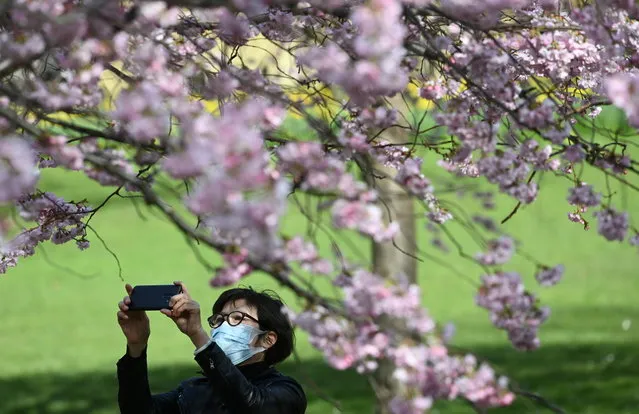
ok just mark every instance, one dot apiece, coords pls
pixel 166 312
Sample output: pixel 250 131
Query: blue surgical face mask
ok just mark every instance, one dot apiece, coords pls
pixel 236 341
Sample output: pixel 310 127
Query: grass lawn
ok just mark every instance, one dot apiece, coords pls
pixel 59 339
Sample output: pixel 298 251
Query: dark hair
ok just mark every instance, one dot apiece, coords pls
pixel 269 312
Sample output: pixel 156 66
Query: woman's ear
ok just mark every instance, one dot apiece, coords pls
pixel 269 339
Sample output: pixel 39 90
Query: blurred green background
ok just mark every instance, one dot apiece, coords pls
pixel 59 339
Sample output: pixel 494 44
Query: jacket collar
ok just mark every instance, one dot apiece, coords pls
pixel 254 370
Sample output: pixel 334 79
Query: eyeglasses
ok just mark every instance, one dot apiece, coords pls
pixel 233 318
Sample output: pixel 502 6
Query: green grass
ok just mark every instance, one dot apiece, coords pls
pixel 59 339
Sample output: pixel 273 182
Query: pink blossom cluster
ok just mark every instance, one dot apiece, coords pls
pixel 227 156
pixel 313 169
pixel 221 86
pixel 616 163
pixel 583 195
pixel 493 69
pixel 398 157
pixel 20 51
pixel 613 29
pixel 305 253
pixel 18 172
pixel 55 151
pixel 425 372
pixel 354 138
pixel 390 155
pixel 343 344
pixel 233 29
pixel 487 13
pixel 67 78
pixel 157 13
pixel 439 375
pixel 282 26
pixel 379 117
pixel 61 153
pixel 463 168
pixel 368 295
pixel 629 6
pixel 538 157
pixel 360 341
pixel 364 216
pixel 512 308
pixel 574 154
pixel 410 176
pixel 56 220
pixel 623 91
pixel 235 268
pixel 236 192
pixel 432 89
pixel 511 173
pixel 550 276
pixel 74 72
pixel 250 220
pixel 142 112
pixel 500 251
pixel 576 217
pixel 459 122
pixel 558 55
pixel 377 43
pixel 612 224
pixel 437 214
pixel 67 91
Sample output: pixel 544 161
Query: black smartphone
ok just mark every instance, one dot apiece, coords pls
pixel 153 297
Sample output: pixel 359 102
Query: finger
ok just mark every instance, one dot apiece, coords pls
pixel 122 316
pixel 184 289
pixel 179 308
pixel 127 300
pixel 128 288
pixel 123 307
pixel 180 303
pixel 166 312
pixel 176 298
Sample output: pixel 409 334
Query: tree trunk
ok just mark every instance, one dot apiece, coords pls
pixel 391 260
pixel 397 256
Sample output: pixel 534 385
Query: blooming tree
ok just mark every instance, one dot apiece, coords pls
pixel 388 93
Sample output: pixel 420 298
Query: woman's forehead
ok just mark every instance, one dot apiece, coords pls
pixel 239 304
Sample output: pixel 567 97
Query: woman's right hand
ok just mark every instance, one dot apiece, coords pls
pixel 134 324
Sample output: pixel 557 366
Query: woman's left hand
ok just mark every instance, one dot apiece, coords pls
pixel 185 313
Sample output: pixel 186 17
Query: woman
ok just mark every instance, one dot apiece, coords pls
pixel 250 334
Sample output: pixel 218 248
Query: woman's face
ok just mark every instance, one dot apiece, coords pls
pixel 265 341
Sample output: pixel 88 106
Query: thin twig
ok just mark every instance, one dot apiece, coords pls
pixel 106 247
pixel 539 400
pixel 66 269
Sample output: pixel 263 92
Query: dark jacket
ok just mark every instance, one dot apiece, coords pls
pixel 224 388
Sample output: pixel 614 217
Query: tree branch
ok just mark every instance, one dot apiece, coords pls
pixel 281 275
